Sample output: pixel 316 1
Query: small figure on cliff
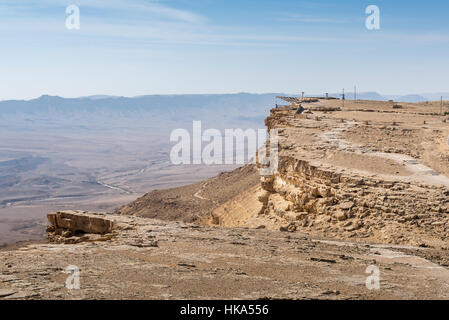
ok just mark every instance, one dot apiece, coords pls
pixel 300 109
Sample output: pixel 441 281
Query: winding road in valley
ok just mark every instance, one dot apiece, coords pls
pixel 114 187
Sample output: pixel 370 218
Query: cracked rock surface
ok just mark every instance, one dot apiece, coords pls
pixel 153 259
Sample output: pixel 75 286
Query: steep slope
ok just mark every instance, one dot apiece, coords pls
pixel 192 203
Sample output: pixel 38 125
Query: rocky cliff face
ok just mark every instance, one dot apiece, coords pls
pixel 333 187
pixel 342 206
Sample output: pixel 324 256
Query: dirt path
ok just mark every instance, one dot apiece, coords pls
pixel 114 187
pixel 197 194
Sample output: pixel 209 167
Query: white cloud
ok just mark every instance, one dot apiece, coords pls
pixel 172 26
pixel 154 7
pixel 291 17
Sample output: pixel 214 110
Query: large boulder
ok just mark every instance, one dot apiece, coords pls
pixel 80 221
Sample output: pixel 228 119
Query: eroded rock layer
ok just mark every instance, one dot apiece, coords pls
pixel 335 180
pixel 78 226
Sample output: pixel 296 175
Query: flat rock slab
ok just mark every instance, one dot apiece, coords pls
pixel 80 221
pixel 22 295
pixel 6 293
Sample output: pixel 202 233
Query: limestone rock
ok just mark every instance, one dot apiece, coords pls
pixel 346 205
pixel 340 215
pixel 72 221
pixel 71 227
pixel 6 293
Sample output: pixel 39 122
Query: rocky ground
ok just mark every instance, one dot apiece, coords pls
pixel 154 259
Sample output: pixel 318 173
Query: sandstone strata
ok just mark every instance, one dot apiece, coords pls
pixel 336 180
pixel 78 226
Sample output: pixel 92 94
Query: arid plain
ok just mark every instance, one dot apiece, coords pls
pixel 93 167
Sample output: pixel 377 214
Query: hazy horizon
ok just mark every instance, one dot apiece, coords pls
pixel 349 94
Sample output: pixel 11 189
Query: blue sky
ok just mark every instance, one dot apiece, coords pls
pixel 136 47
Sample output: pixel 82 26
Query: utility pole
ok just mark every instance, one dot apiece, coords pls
pixel 343 97
pixel 302 95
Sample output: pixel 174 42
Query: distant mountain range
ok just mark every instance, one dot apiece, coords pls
pixel 161 112
pixel 399 98
pixel 154 103
pixel 362 95
pixel 176 107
